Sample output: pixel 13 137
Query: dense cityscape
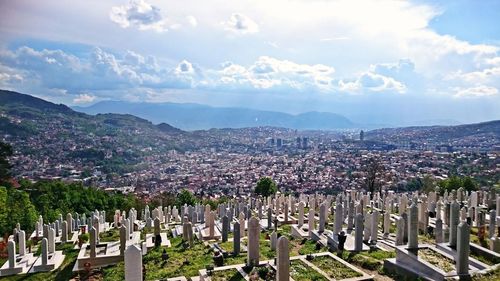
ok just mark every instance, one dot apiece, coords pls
pixel 130 154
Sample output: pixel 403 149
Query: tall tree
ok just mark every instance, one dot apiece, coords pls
pixel 5 152
pixel 373 170
pixel 266 187
pixel 185 197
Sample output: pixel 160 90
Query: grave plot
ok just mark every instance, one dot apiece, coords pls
pixel 334 268
pixel 437 259
pixel 299 270
pixel 226 275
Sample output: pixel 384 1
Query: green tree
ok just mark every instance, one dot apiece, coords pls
pixel 373 171
pixel 428 184
pixel 5 152
pixel 185 197
pixel 266 187
pixel 455 182
pixel 16 207
pixel 4 213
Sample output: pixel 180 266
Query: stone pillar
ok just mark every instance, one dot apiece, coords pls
pixel 190 234
pixel 69 222
pixel 11 249
pixel 438 231
pixel 400 230
pixel 225 228
pixel 269 218
pixel 64 232
pixel 274 239
pixel 133 263
pixel 211 225
pixel 413 227
pixel 350 216
pixel 454 219
pixel 283 260
pixel 322 218
pixel 123 239
pixel 463 248
pixel 387 223
pixel 493 223
pixel 286 212
pixel 310 221
pixel 93 242
pixel 22 242
pixel 498 204
pixel 157 226
pixel 253 241
pixel 367 227
pixel 374 227
pixel 236 238
pixel 358 233
pixel 45 251
pixel 301 214
pixel 241 219
pixel 52 240
pixel 339 218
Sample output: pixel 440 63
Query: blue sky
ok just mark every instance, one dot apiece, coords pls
pixel 394 62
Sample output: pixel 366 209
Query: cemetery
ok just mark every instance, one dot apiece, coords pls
pixel 349 236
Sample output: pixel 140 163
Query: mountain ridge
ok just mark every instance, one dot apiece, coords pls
pixel 191 116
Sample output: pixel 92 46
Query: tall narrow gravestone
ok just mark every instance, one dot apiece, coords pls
pixel 463 248
pixel 236 238
pixel 283 260
pixel 253 241
pixel 358 233
pixel 454 219
pixel 133 263
pixel 225 228
pixel 413 227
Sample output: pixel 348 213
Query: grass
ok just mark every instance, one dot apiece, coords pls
pixel 227 275
pixel 380 255
pixel 285 229
pixel 111 235
pixel 436 259
pixel 475 239
pixel 301 271
pixel 364 260
pixel 334 268
pixel 199 257
pixel 63 273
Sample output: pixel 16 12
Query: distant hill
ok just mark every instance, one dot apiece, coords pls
pixel 30 107
pixel 45 130
pixel 198 117
pixel 14 99
pixel 487 132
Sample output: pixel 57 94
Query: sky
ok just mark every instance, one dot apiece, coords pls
pixel 373 61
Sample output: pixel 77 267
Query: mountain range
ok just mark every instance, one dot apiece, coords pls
pixel 188 116
pixel 22 115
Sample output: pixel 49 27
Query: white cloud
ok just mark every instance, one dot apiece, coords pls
pixel 241 24
pixel 269 73
pixel 139 14
pixel 476 92
pixel 374 82
pixel 192 21
pixel 84 98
